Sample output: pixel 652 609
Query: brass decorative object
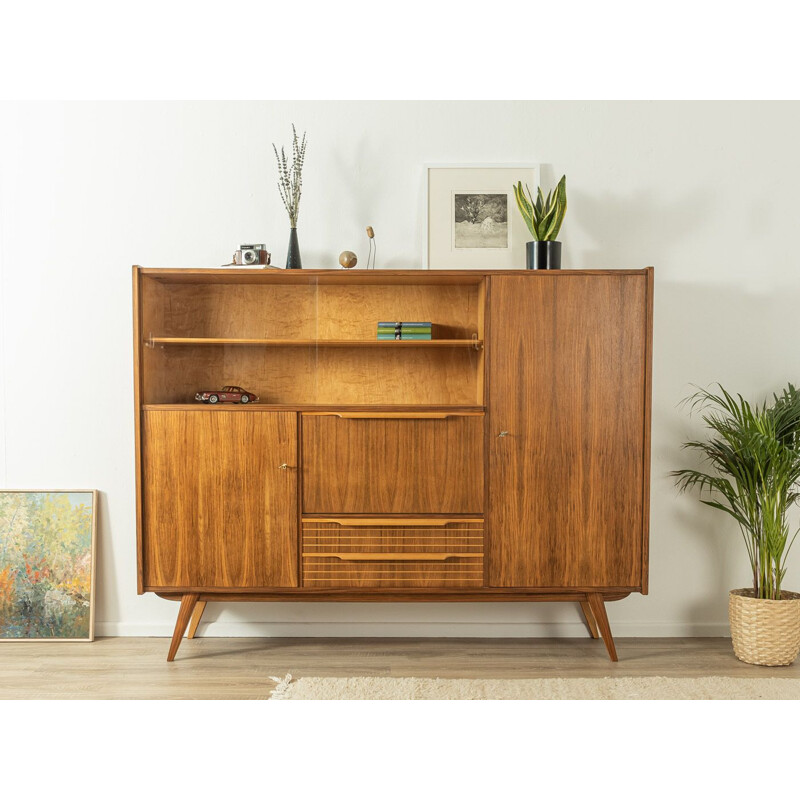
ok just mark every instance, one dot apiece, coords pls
pixel 348 259
pixel 373 248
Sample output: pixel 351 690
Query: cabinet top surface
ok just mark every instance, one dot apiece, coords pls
pixel 355 276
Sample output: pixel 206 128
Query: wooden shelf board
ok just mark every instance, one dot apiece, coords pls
pixel 170 340
pixel 198 406
pixel 357 277
pixel 313 277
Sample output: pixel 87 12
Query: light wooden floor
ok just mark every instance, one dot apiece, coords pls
pixel 214 668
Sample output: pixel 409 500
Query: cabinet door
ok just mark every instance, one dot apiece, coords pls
pixel 417 464
pixel 567 383
pixel 219 511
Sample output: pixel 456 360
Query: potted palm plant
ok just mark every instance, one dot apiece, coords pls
pixel 754 457
pixel 543 218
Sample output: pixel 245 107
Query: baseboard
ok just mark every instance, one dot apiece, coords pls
pixel 493 630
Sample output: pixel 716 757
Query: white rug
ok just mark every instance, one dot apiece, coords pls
pixel 655 688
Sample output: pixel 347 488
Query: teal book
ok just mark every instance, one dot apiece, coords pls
pixel 420 331
pixel 404 324
pixel 388 337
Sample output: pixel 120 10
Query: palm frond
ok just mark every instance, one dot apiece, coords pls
pixel 753 457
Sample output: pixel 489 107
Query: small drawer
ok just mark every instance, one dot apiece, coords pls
pixel 392 553
pixel 394 464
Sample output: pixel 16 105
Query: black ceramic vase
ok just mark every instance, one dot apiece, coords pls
pixel 543 255
pixel 293 255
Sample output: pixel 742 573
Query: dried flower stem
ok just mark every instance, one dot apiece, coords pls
pixel 290 177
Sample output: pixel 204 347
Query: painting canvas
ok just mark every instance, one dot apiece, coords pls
pixel 473 220
pixel 47 542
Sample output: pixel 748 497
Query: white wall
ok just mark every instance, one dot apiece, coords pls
pixel 705 192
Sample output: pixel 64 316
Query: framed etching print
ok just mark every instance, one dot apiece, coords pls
pixel 47 565
pixel 473 220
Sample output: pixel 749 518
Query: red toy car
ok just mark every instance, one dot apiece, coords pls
pixel 229 394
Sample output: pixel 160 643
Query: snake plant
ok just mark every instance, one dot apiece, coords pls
pixel 543 216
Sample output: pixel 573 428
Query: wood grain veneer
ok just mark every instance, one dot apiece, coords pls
pixel 312 375
pixel 400 553
pixel 389 595
pixel 648 411
pixel 138 399
pixel 396 344
pixel 392 466
pixel 405 543
pixel 322 571
pixel 218 510
pixel 355 277
pixel 566 370
pixel 311 311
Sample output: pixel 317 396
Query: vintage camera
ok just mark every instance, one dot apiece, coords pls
pixel 249 255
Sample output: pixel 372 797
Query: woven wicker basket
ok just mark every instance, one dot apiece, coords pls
pixel 765 631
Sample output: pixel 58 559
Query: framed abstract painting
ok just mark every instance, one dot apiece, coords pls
pixel 472 216
pixel 47 565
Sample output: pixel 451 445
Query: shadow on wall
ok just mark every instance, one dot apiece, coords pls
pixel 629 230
pixel 107 605
pixel 716 541
pixel 360 181
pixel 361 187
pixel 706 334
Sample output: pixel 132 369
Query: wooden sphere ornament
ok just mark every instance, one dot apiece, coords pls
pixel 348 259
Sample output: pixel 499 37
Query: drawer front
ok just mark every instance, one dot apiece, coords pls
pixel 392 553
pixel 393 465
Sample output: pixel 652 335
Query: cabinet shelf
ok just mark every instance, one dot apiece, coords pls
pixel 310 344
pixel 379 410
pixel 173 340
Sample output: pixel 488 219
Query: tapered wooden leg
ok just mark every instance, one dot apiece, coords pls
pixel 598 609
pixel 196 616
pixel 188 602
pixel 589 617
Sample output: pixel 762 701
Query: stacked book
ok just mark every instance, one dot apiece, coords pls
pixel 404 330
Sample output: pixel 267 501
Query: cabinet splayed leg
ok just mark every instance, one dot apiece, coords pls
pixel 196 617
pixel 589 617
pixel 598 609
pixel 188 602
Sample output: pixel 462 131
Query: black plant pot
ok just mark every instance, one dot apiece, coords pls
pixel 543 255
pixel 293 255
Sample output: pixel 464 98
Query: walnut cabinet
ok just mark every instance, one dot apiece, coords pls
pixel 506 459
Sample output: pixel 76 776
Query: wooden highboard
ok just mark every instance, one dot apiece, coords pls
pixel 506 459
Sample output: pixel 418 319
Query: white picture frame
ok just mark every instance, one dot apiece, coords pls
pixel 471 215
